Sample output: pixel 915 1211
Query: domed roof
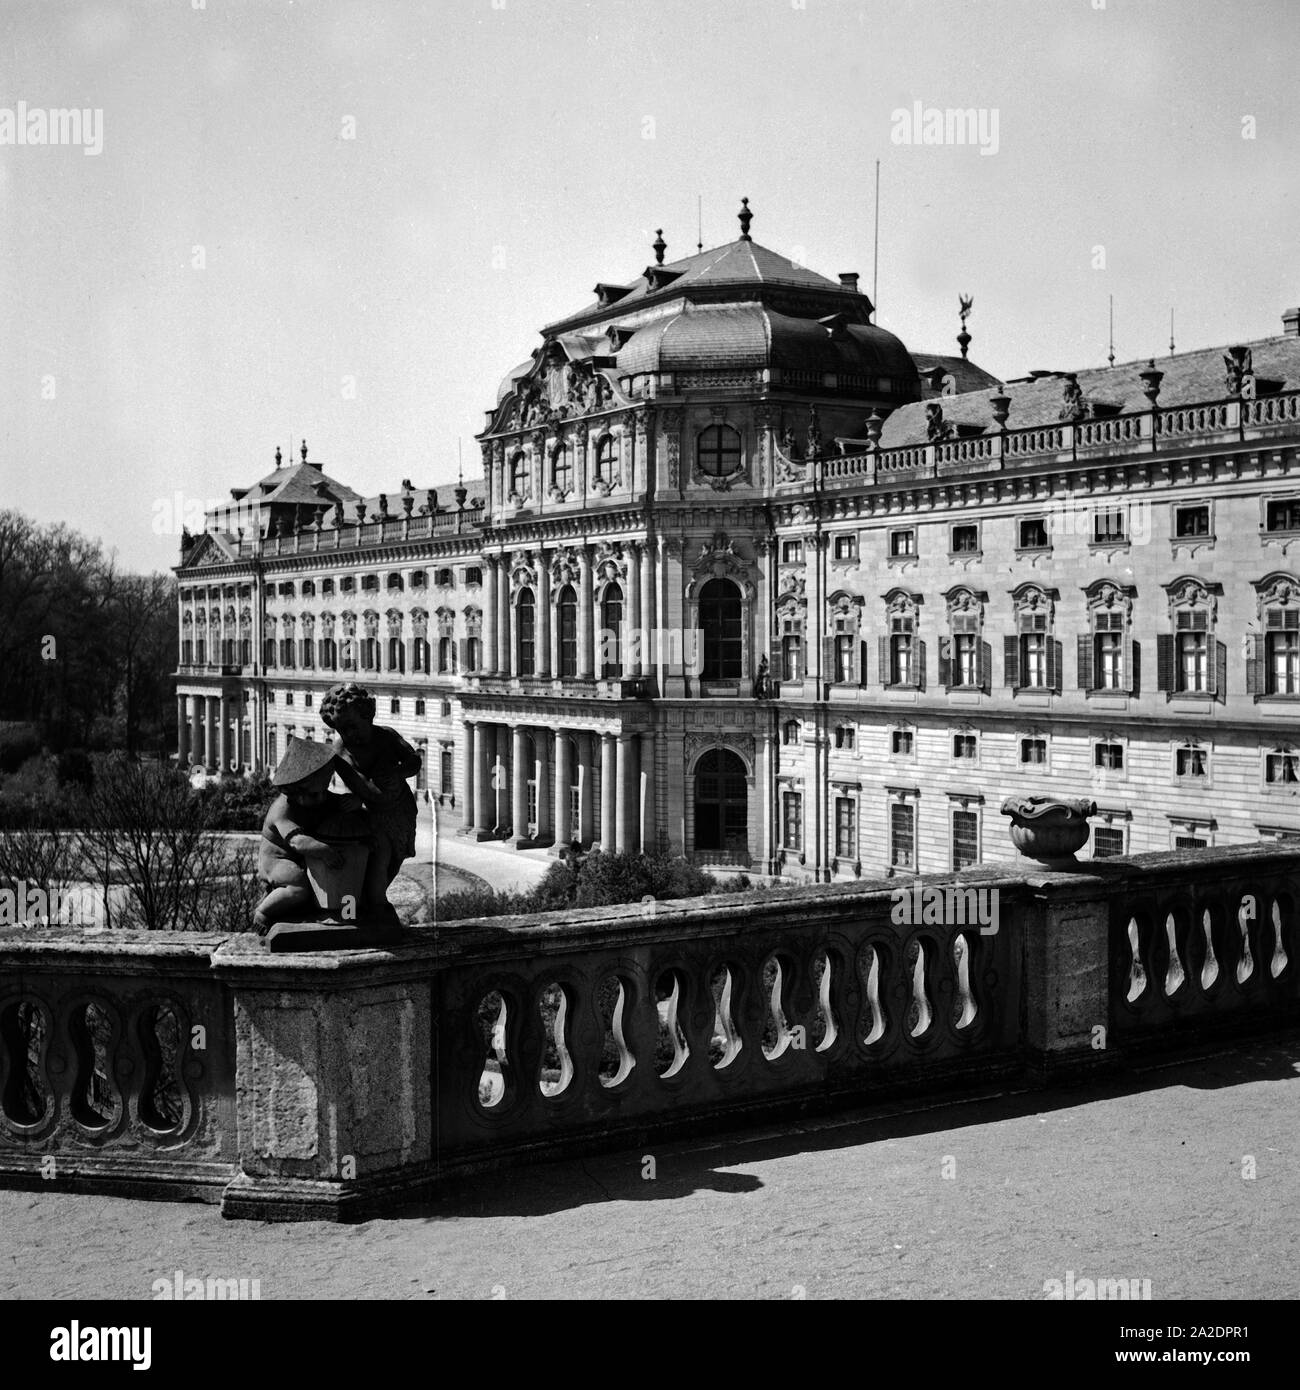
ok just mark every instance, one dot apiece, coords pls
pixel 754 335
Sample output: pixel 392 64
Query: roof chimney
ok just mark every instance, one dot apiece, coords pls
pixel 1291 323
pixel 849 280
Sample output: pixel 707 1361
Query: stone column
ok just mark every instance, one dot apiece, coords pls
pixel 467 775
pixel 519 784
pixel 608 792
pixel 196 729
pixel 489 642
pixel 211 754
pixel 626 838
pixel 586 785
pixel 545 831
pixel 647 614
pixel 542 633
pixel 648 822
pixel 223 740
pixel 631 643
pixel 586 670
pixel 182 733
pixel 563 788
pixel 484 816
pixel 505 633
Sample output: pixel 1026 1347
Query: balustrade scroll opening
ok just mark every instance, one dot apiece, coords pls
pixel 27 1099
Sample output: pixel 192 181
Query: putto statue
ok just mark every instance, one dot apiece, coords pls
pixel 1238 366
pixel 326 857
pixel 1074 405
pixel 937 429
pixel 315 844
pixel 374 762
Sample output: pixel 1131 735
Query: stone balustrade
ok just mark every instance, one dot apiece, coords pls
pixel 332 1085
pixel 1134 432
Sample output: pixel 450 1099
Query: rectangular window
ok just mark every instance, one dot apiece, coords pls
pixel 419 707
pixel 792 552
pixel 1188 842
pixel 1283 515
pixel 792 657
pixel 965 839
pixel 1192 521
pixel 1282 650
pixel 902 542
pixel 1033 751
pixel 902 836
pixel 1033 660
pixel 394 706
pixel 1108 525
pixel 844 736
pixel 446 709
pixel 965 540
pixel 846 828
pixel 792 819
pixel 963 746
pixel 1033 533
pixel 1192 647
pixel 1191 762
pixel 1108 650
pixel 900 743
pixel 474 575
pixel 790 732
pixel 843 673
pixel 1109 756
pixel 1282 767
pixel 846 547
pixel 1107 842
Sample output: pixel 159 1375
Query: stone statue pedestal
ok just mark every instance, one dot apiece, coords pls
pixel 287 937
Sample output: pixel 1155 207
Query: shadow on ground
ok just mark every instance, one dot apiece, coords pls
pixel 683 1168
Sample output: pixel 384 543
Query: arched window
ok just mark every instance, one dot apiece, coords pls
pixel 721 802
pixel 525 629
pixel 566 607
pixel 717 450
pixel 519 475
pixel 611 632
pixel 720 625
pixel 561 469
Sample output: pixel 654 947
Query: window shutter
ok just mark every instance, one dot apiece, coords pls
pixel 1055 665
pixel 1219 675
pixel 1255 666
pixel 883 657
pixel 828 658
pixel 1011 662
pixel 945 663
pixel 1165 661
pixel 986 667
pixel 1132 667
pixel 918 667
pixel 1085 661
pixel 859 657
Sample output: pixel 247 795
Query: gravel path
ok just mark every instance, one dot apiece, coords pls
pixel 1142 1178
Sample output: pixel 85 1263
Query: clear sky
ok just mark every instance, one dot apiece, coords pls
pixel 391 197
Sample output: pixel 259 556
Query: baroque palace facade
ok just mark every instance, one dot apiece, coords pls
pixel 746 578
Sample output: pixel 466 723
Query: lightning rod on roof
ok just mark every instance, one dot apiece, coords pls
pixel 1111 357
pixel 1171 331
pixel 699 222
pixel 875 254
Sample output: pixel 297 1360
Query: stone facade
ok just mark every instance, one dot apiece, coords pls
pixel 751 581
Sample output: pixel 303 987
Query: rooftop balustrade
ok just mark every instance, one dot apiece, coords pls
pixel 332 1085
pixel 1135 432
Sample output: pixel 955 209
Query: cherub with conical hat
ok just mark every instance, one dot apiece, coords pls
pixel 306 826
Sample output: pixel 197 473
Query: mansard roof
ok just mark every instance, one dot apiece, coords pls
pixel 739 264
pixel 1190 378
pixel 300 482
